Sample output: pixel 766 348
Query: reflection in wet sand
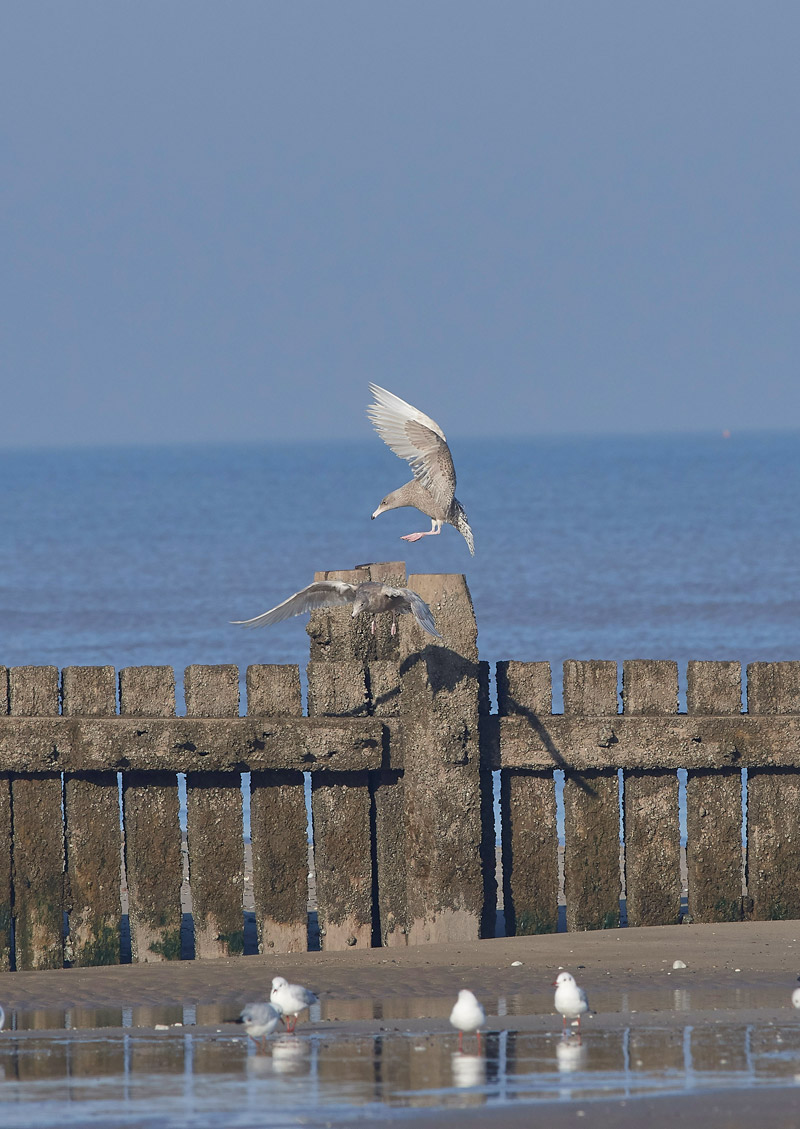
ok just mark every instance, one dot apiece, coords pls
pixel 96 1076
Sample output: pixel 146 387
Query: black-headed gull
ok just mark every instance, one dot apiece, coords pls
pixel 467 1015
pixel 259 1021
pixel 571 1001
pixel 290 1000
pixel 419 440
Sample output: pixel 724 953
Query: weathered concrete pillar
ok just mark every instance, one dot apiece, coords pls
pixel 153 863
pixel 278 823
pixel 214 825
pixel 341 803
pixel 91 811
pixel 714 804
pixel 591 809
pixel 440 704
pixel 528 806
pixel 773 803
pixel 652 828
pixel 38 846
pixel 5 845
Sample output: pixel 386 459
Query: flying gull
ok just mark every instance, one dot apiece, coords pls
pixel 370 596
pixel 419 440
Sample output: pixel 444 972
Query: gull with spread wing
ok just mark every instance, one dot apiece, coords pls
pixel 419 440
pixel 370 596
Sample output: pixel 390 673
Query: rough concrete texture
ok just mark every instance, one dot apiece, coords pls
pixel 5 872
pixel 441 723
pixel 652 833
pixel 278 824
pixel 147 691
pixel 280 860
pixel 714 805
pixel 773 803
pixel 530 852
pixel 591 809
pixel 3 690
pixel 590 687
pixel 33 691
pixel 340 809
pixel 591 850
pixel 273 690
pixel 652 848
pixel 211 691
pixel 214 825
pixel 216 861
pixel 92 826
pixel 524 688
pixel 337 689
pixel 152 832
pixel 649 686
pixel 38 843
pixel 714 845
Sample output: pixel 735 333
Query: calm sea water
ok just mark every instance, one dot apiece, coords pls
pixel 658 547
pixel 614 548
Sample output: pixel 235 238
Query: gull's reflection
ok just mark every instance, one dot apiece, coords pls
pixel 570 1055
pixel 291 1056
pixel 468 1070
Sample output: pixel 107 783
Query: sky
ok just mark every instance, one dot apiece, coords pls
pixel 222 220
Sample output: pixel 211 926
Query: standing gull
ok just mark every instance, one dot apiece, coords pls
pixel 290 999
pixel 467 1015
pixel 570 1000
pixel 370 596
pixel 259 1021
pixel 419 440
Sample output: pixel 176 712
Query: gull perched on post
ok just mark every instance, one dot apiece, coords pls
pixel 419 440
pixel 370 596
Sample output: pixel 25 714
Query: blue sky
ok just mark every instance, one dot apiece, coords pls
pixel 221 220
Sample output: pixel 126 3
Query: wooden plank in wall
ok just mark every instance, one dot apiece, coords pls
pixel 650 804
pixel 714 860
pixel 214 825
pixel 38 843
pixel 773 803
pixel 528 806
pixel 591 809
pixel 92 825
pixel 153 863
pixel 278 824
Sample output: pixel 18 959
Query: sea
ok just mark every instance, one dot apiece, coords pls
pixel 606 547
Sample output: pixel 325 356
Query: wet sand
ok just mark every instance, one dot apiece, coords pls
pixel 743 971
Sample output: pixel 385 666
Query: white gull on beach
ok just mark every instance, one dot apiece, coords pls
pixel 571 1002
pixel 467 1015
pixel 259 1021
pixel 290 1000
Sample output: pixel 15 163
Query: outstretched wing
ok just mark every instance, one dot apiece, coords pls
pixel 321 594
pixel 422 613
pixel 418 439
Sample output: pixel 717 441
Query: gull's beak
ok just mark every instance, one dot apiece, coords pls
pixel 377 512
pixel 239 1020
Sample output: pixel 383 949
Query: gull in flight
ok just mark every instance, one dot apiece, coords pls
pixel 419 440
pixel 370 596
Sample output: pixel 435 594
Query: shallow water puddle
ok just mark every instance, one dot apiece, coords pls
pixel 200 1079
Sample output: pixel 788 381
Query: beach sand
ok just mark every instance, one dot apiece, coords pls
pixel 742 972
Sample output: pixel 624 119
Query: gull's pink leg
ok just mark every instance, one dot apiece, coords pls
pixel 460 1042
pixel 479 1042
pixel 416 536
